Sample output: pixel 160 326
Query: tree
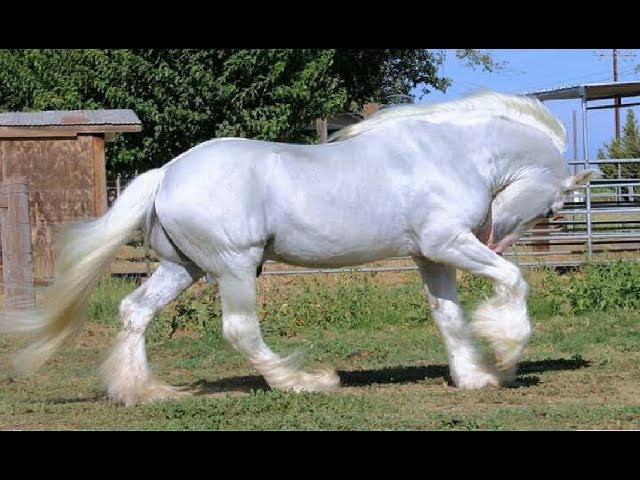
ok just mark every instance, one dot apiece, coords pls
pixel 184 97
pixel 627 146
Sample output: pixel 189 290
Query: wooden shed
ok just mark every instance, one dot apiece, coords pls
pixel 61 154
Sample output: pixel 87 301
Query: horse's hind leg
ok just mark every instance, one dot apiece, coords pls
pixel 126 371
pixel 465 363
pixel 503 319
pixel 241 329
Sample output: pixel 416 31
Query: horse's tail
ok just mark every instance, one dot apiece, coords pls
pixel 87 249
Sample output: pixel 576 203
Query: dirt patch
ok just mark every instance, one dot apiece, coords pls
pixel 94 336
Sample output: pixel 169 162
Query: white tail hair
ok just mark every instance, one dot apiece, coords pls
pixel 86 249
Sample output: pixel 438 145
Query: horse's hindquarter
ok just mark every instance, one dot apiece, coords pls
pixel 211 202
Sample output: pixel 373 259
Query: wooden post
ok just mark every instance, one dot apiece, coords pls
pixel 118 186
pixel 17 257
pixel 321 128
pixel 369 109
pixel 542 245
pixel 99 177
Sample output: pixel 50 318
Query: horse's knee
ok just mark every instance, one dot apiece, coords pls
pixel 126 311
pixel 513 281
pixel 135 317
pixel 444 309
pixel 241 331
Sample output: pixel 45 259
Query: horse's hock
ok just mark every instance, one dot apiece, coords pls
pixel 56 160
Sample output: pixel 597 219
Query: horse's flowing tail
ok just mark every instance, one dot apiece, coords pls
pixel 86 250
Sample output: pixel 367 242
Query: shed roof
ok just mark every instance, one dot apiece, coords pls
pixel 53 122
pixel 594 91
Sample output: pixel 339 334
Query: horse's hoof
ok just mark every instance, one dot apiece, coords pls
pixel 477 381
pixel 152 392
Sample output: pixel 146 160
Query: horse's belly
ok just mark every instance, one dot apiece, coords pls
pixel 326 261
pixel 324 253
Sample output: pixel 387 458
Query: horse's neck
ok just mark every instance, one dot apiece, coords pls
pixel 505 163
pixel 501 151
pixel 498 168
pixel 502 172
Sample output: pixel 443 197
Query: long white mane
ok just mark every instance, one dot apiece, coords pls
pixel 525 110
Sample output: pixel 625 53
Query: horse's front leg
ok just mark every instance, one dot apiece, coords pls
pixel 465 361
pixel 503 319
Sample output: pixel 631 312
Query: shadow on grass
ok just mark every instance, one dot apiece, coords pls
pixel 101 397
pixel 231 384
pixel 553 364
pixel 363 378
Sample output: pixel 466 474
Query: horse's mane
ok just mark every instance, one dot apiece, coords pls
pixel 525 110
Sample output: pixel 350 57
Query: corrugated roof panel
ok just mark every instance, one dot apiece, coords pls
pixel 594 91
pixel 69 118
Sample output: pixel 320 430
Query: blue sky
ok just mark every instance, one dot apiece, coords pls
pixel 530 70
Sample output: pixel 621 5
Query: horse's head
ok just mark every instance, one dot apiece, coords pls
pixel 525 202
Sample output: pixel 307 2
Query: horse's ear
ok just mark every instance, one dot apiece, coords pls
pixel 582 178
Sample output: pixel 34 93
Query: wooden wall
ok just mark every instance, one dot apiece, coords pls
pixel 66 177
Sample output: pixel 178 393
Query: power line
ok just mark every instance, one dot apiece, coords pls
pixel 616 100
pixel 570 80
pixel 602 75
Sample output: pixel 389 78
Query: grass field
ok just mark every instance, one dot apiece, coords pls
pixel 581 370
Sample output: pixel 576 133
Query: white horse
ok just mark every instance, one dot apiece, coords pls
pixel 450 184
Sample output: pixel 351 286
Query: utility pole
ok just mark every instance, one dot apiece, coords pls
pixel 574 127
pixel 616 100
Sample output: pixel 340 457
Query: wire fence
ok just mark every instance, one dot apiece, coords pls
pixel 600 222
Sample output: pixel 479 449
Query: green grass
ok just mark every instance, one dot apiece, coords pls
pixel 580 371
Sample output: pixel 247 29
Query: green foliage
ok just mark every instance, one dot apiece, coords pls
pixel 549 296
pixel 473 287
pixel 595 287
pixel 199 313
pixel 605 286
pixel 542 302
pixel 186 96
pixel 280 411
pixel 348 303
pixel 104 302
pixel 627 146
